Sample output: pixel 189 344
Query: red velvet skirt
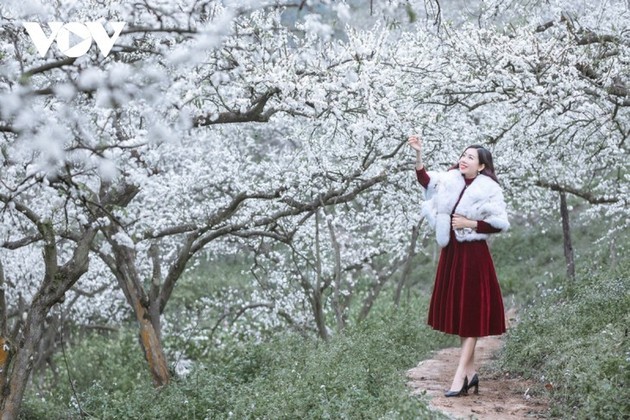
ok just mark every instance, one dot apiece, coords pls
pixel 466 297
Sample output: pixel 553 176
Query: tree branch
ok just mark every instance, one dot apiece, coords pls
pixel 48 66
pixel 27 240
pixel 254 114
pixel 582 194
pixel 220 216
pixel 81 292
pixel 154 254
pixel 176 270
pixel 7 129
pixel 238 312
pixel 593 38
pixel 26 211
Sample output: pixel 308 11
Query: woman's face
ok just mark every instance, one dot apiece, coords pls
pixel 469 163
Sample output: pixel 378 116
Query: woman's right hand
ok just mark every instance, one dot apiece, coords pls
pixel 415 142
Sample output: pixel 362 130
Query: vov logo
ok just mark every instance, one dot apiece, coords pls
pixel 86 32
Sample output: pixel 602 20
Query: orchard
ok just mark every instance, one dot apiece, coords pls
pixel 274 134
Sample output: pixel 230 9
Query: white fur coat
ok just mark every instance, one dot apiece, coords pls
pixel 482 200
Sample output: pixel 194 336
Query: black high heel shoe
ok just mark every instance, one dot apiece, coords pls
pixel 473 382
pixel 463 391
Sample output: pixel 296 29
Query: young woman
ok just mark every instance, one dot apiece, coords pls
pixel 464 205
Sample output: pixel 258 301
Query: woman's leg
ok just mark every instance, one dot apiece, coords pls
pixel 466 365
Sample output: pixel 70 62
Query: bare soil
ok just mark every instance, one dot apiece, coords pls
pixel 500 397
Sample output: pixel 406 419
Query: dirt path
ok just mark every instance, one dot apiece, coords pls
pixel 499 398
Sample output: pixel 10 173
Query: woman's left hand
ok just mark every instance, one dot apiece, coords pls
pixel 460 222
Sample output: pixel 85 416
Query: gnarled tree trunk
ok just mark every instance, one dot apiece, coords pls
pixel 22 364
pixel 57 281
pixel 145 309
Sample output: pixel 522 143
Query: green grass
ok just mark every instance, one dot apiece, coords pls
pixel 358 374
pixel 113 364
pixel 574 339
pixel 525 259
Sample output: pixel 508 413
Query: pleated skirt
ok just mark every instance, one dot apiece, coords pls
pixel 466 298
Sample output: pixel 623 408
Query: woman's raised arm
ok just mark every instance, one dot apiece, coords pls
pixel 416 144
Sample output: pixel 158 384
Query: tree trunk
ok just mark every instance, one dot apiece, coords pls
pixel 375 290
pixel 318 312
pixel 145 307
pixel 57 281
pixel 316 298
pixel 3 304
pixel 566 234
pixel 336 302
pixel 415 232
pixel 5 344
pixel 152 347
pixel 149 334
pixel 22 366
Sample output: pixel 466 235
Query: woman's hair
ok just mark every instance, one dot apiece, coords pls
pixel 485 158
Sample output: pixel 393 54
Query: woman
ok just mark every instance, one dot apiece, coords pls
pixel 464 205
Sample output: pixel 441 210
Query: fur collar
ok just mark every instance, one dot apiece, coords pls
pixel 482 200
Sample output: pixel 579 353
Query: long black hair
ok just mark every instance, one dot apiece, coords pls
pixel 485 158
